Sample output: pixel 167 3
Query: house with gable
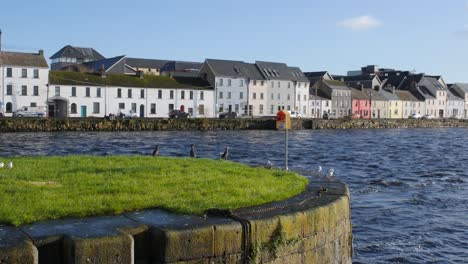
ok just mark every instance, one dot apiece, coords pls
pixel 23 80
pixel 339 94
pixel 455 105
pixel 461 89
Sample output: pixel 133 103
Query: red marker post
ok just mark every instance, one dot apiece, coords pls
pixel 283 122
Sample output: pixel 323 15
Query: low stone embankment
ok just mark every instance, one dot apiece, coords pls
pixel 313 227
pixel 97 124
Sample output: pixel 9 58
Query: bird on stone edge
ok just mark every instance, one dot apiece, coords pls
pixel 193 154
pixel 225 155
pixel 156 151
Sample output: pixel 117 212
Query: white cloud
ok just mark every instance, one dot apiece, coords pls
pixel 462 33
pixel 360 23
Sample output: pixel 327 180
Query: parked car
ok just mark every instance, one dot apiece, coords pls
pixel 127 114
pixel 415 116
pixel 329 116
pixel 228 115
pixel 455 117
pixel 29 111
pixel 428 117
pixel 295 114
pixel 178 114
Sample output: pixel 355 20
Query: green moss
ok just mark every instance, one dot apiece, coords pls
pixel 39 188
pixel 123 80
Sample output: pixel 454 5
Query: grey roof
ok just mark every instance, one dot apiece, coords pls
pixel 315 74
pixel 78 52
pixel 23 59
pixel 145 63
pixel 432 85
pixel 104 64
pixel 388 95
pixel 376 95
pixel 406 96
pixel 182 66
pixel 461 86
pixel 227 68
pixel 454 96
pixel 336 85
pixel 280 71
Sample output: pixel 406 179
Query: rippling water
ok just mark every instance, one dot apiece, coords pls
pixel 409 186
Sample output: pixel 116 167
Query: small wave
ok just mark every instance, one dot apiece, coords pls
pixel 387 183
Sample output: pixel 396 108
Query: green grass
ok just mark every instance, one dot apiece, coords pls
pixel 40 188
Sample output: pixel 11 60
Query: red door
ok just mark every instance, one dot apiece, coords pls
pixel 182 108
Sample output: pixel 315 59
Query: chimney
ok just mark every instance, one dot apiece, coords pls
pixel 140 74
pixel 41 52
pixel 102 71
pixel 0 40
pixel 360 87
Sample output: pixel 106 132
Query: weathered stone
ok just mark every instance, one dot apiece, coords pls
pixel 15 247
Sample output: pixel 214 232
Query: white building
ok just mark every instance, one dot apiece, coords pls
pixel 23 80
pixel 319 105
pixel 89 95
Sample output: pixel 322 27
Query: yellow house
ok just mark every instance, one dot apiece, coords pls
pixel 147 66
pixel 395 105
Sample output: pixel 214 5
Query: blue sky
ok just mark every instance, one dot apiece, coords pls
pixel 429 36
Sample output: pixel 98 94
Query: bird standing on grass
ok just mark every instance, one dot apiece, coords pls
pixel 269 164
pixel 2 165
pixel 225 155
pixel 193 154
pixel 10 165
pixel 156 151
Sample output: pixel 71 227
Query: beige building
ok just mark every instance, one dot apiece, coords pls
pixel 379 104
pixel 147 66
pixel 410 104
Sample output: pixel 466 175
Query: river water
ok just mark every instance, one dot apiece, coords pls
pixel 409 187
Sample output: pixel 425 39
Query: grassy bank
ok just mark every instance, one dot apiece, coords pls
pixel 39 188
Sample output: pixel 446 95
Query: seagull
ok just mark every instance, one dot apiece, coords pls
pixel 225 155
pixel 330 175
pixel 2 165
pixel 319 169
pixel 192 151
pixel 10 165
pixel 269 165
pixel 156 151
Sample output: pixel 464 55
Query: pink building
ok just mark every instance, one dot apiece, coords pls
pixel 360 103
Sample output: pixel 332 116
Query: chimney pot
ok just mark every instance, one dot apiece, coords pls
pixel 41 52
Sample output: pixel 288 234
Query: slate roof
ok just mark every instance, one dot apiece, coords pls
pixel 145 63
pixel 23 59
pixel 406 96
pixel 454 96
pixel 280 71
pixel 315 74
pixel 104 63
pixel 228 68
pixel 358 94
pixel 320 94
pixel 388 95
pixel 432 85
pixel 123 80
pixel 336 85
pixel 376 95
pixel 462 86
pixel 78 52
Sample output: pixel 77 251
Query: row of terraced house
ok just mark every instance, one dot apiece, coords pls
pixel 83 83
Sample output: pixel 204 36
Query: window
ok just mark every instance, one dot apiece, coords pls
pixel 134 107
pixel 36 74
pixel 272 109
pixel 220 82
pixel 153 109
pixel 159 94
pixel 35 90
pixel 9 90
pixel 241 95
pixel 98 92
pixel 261 96
pixel 241 83
pixel 57 90
pixel 88 92
pixel 279 84
pixel 191 95
pixel 289 108
pixel 262 83
pixel 73 91
pixel 229 82
pixel 73 108
pixel 289 97
pixel 24 90
pixel 142 93
pixel 201 109
pixel 121 105
pixel 272 96
pixel 254 82
pixel 305 97
pixel 289 85
pixel 279 96
pixel 190 111
pixel 236 107
pixel 119 93
pixel 9 72
pixel 229 95
pixel 220 95
pixel 272 84
pixel 221 108
pixel 261 109
pixel 129 93
pixel 171 94
pixel 24 73
pixel 96 108
pixel 254 96
pixel 9 107
pixel 171 107
pixel 182 95
pixel 202 95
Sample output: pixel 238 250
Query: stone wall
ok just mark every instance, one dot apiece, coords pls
pixel 313 227
pixel 100 124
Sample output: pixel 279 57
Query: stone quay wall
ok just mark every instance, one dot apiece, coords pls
pixel 100 124
pixel 312 227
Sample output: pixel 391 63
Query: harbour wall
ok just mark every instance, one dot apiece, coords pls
pixel 100 124
pixel 312 227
